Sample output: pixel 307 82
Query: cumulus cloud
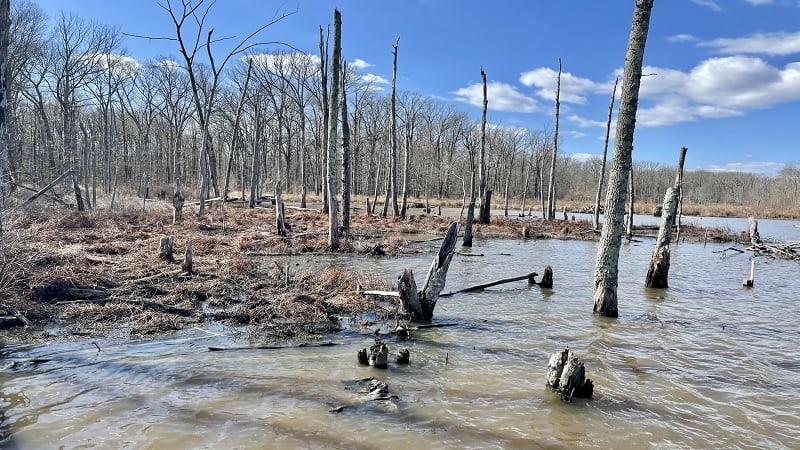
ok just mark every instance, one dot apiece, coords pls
pixel 359 64
pixel 502 97
pixel 118 64
pixel 573 89
pixel 759 2
pixel 283 62
pixel 774 44
pixel 373 79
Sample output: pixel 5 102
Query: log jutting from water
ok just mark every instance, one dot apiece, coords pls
pixel 530 277
pixel 566 374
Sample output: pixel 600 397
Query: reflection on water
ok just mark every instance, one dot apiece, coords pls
pixel 705 364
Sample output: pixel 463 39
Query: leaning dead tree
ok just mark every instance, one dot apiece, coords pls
pixel 658 272
pixel 601 181
pixel 606 272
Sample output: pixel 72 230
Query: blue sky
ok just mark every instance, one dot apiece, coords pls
pixel 727 83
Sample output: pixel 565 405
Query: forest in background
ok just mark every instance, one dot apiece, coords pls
pixel 78 103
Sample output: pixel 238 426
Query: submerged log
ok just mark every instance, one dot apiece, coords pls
pixel 566 374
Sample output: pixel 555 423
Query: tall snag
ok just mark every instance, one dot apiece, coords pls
pixel 606 270
pixel 484 213
pixel 551 190
pixel 658 272
pixel 333 129
pixel 601 181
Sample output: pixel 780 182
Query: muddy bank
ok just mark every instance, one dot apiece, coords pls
pixel 99 273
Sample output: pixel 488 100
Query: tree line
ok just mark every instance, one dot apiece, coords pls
pixel 78 103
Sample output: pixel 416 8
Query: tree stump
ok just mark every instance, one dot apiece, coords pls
pixel 403 356
pixel 566 374
pixel 484 213
pixel 376 356
pixel 752 223
pixel 165 248
pixel 547 278
pixel 177 203
pixel 186 267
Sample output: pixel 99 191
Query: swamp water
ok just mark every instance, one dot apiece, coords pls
pixel 704 364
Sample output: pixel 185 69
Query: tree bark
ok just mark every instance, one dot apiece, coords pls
pixel 606 271
pixel 323 67
pixel 631 199
pixel 186 266
pixel 658 271
pixel 5 80
pixel 392 194
pixel 346 169
pixel 601 181
pixel 333 130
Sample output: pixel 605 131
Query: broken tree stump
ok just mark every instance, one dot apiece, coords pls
pixel 752 227
pixel 376 355
pixel 658 270
pixel 165 248
pixel 566 374
pixel 177 203
pixel 547 278
pixel 186 267
pixel 403 356
pixel 408 294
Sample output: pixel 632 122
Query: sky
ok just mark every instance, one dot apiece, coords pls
pixel 723 75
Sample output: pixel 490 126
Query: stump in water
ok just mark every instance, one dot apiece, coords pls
pixel 484 213
pixel 566 374
pixel 658 271
pixel 421 305
pixel 752 223
pixel 165 248
pixel 186 267
pixel 547 278
pixel 403 356
pixel 377 355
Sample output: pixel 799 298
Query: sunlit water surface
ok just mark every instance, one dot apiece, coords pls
pixel 703 364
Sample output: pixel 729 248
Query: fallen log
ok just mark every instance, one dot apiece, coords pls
pixel 271 347
pixel 47 188
pixel 530 277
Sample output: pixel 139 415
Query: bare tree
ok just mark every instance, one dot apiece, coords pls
pixel 391 185
pixel 601 181
pixel 484 213
pixel 551 191
pixel 5 24
pixel 607 264
pixel 333 216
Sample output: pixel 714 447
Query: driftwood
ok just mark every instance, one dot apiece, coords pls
pixel 566 374
pixel 368 390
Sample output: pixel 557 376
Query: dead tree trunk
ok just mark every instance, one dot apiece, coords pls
pixel 333 130
pixel 41 191
pixel 606 273
pixel 483 212
pixel 177 203
pixel 186 266
pixel 658 272
pixel 280 218
pixel 601 181
pixel 631 199
pixel 78 196
pixel 419 305
pixel 752 223
pixel 165 248
pixel 346 170
pixel 551 191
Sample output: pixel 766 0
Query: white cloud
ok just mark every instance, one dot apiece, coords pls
pixel 359 64
pixel 576 134
pixel 710 4
pixel 763 167
pixel 119 64
pixel 372 78
pixel 716 87
pixel 774 44
pixel 681 38
pixel 759 2
pixel 282 62
pixel 501 96
pixel 584 122
pixel 573 88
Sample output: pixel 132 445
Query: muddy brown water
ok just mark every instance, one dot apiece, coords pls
pixel 704 364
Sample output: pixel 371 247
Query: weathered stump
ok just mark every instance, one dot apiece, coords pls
pixel 526 232
pixel 485 214
pixel 403 356
pixel 409 295
pixel 752 223
pixel 377 355
pixel 566 374
pixel 547 278
pixel 186 267
pixel 177 203
pixel 165 248
pixel 657 210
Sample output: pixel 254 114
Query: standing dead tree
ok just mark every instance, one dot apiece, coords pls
pixel 606 272
pixel 391 182
pixel 551 191
pixel 658 272
pixel 333 130
pixel 484 213
pixel 601 181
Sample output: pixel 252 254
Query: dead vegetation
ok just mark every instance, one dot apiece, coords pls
pixel 98 272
